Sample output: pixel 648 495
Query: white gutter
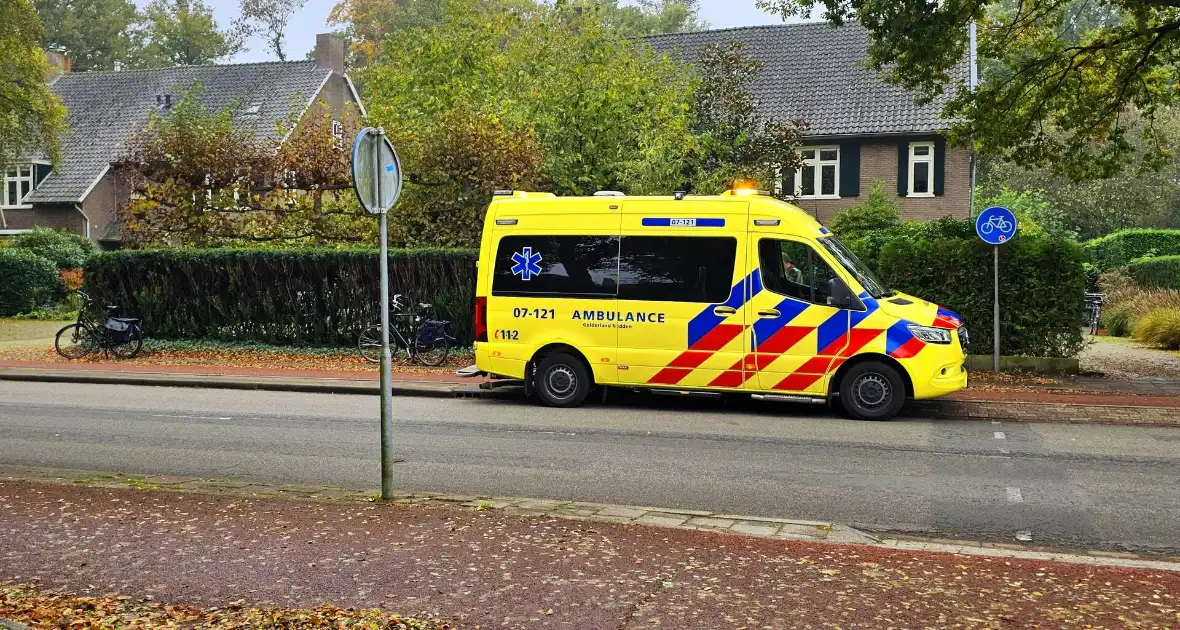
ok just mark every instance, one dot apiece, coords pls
pixel 85 218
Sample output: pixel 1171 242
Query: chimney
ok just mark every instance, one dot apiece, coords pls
pixel 329 53
pixel 59 60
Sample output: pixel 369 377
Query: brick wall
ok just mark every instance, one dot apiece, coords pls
pixel 64 217
pixel 878 161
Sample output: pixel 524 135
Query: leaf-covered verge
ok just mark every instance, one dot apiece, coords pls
pixel 25 604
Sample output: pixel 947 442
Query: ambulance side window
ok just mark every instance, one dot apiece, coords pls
pixel 557 266
pixel 794 270
pixel 694 269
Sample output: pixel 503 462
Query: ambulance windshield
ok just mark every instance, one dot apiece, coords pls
pixel 858 269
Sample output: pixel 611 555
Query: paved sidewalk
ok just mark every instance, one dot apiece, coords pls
pixel 482 568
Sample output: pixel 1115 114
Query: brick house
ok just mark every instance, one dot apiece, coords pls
pixel 860 129
pixel 84 193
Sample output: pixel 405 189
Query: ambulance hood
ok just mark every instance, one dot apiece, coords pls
pixel 918 311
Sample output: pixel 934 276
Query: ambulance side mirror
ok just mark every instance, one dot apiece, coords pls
pixel 841 295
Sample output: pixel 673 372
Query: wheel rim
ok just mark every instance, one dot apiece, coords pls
pixel 77 344
pixel 431 354
pixel 872 391
pixel 561 381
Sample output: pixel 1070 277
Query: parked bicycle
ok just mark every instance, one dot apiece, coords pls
pixel 427 341
pixel 1093 316
pixel 120 336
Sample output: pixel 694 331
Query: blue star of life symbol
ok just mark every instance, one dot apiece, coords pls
pixel 527 264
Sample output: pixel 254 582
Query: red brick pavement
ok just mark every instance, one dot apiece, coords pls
pixel 484 569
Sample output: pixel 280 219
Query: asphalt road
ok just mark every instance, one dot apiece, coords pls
pixel 1066 485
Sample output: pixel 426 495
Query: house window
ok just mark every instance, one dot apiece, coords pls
pixel 921 169
pixel 819 176
pixel 18 182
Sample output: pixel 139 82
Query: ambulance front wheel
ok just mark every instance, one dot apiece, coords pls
pixel 562 380
pixel 872 391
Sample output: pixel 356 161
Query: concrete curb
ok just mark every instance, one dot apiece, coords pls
pixel 275 384
pixel 675 518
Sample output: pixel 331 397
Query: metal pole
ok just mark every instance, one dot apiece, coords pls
pixel 996 311
pixel 386 359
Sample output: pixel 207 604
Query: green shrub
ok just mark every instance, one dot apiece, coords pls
pixel 1162 272
pixel 66 250
pixel 1041 292
pixel 879 213
pixel 27 281
pixel 1120 248
pixel 1160 327
pixel 280 297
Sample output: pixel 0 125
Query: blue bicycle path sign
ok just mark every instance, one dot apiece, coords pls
pixel 996 225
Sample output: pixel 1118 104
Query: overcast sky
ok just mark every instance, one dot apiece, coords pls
pixel 303 29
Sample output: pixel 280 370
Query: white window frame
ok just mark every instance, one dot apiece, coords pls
pixel 927 159
pixel 31 178
pixel 818 164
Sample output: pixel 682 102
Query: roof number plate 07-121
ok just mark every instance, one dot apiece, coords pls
pixel 682 222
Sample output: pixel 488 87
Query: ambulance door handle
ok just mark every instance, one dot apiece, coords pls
pixel 769 313
pixel 724 310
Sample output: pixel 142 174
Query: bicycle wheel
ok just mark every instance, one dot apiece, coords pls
pixel 431 353
pixel 369 344
pixel 129 349
pixel 76 341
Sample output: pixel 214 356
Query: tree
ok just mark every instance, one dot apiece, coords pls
pixel 648 17
pixel 543 98
pixel 94 33
pixel 1059 76
pixel 31 116
pixel 269 18
pixel 201 180
pixel 184 33
pixel 732 141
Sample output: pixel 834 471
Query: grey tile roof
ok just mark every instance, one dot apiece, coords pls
pixel 815 72
pixel 103 108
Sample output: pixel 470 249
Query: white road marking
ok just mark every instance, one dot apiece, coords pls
pixel 1014 496
pixel 1024 535
pixel 996 422
pixel 1005 451
pixel 190 417
pixel 999 435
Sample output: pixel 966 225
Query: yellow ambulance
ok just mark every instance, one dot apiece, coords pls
pixel 735 293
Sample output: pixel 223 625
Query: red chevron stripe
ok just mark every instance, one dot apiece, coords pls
pixel 784 339
pixel 730 378
pixel 797 382
pixel 690 359
pixel 908 349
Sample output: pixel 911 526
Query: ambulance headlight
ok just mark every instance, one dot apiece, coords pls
pixel 929 334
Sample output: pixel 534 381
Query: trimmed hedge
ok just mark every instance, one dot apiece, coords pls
pixel 312 297
pixel 27 281
pixel 1042 289
pixel 1161 272
pixel 1122 247
pixel 66 250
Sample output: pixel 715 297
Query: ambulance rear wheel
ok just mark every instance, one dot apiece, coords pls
pixel 562 380
pixel 872 391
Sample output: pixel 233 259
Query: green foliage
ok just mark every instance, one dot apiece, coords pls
pixel 1141 196
pixel 284 297
pixel 1058 76
pixel 1160 327
pixel 64 249
pixel 29 281
pixel 1120 248
pixel 730 141
pixel 1161 272
pixel 31 116
pixel 268 19
pixel 183 33
pixel 880 212
pixel 1034 213
pixel 95 33
pixel 1041 295
pixel 559 101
